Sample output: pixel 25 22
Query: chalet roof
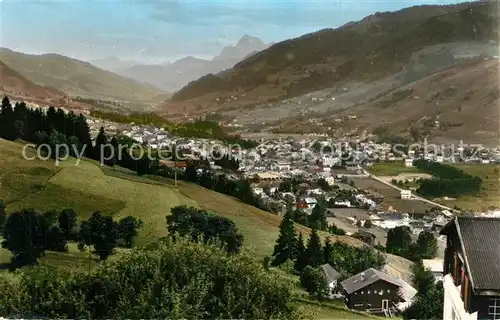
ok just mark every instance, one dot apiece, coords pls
pixel 480 241
pixel 365 233
pixel 371 275
pixel 330 273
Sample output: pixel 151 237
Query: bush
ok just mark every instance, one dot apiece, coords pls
pixel 12 294
pixel 201 225
pixel 314 282
pixel 177 279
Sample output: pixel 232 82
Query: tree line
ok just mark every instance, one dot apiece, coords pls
pixel 28 234
pixel 447 180
pixel 197 271
pixel 36 125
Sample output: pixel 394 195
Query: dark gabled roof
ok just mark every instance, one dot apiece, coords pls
pixel 330 273
pixel 480 241
pixel 365 233
pixel 371 275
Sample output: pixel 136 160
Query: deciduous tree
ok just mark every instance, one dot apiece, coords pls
pixel 128 229
pixel 314 282
pixel 24 234
pixel 101 232
pixel 67 222
pixel 399 240
pixel 427 245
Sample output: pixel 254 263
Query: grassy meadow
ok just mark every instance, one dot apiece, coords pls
pixel 393 168
pixel 489 197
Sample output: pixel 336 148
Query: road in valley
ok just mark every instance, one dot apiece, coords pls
pixel 414 197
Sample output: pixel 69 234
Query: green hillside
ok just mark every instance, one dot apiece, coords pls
pixel 119 192
pixel 77 78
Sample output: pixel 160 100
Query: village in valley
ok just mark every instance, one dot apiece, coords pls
pixel 367 188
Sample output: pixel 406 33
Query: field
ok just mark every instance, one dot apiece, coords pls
pixel 489 197
pixel 87 189
pixel 119 192
pixel 392 196
pixel 391 169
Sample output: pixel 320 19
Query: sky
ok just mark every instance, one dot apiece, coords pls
pixel 160 30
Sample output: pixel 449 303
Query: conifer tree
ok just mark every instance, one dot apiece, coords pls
pixel 100 141
pixel 313 255
pixel 299 246
pixel 314 250
pixel 327 250
pixel 83 134
pixel 7 129
pixel 317 219
pixel 286 244
pixel 300 261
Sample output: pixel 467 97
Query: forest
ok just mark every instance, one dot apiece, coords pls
pixel 447 180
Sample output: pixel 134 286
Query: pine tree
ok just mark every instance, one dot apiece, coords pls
pixel 116 156
pixel 70 124
pixel 7 129
pixel 100 142
pixel 427 245
pixel 51 119
pixel 327 250
pixel 299 246
pixel 301 258
pixel 314 250
pixel 317 219
pixel 313 255
pixel 286 244
pixel 83 135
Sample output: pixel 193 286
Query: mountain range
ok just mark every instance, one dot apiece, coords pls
pixel 366 51
pixel 77 78
pixel 16 85
pixel 411 68
pixel 171 77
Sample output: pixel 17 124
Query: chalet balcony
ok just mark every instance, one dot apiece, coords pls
pixel 453 304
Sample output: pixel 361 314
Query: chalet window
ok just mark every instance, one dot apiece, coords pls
pixel 368 292
pixel 362 292
pixel 388 290
pixel 494 309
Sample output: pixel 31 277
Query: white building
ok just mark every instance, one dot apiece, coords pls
pixel 408 162
pixel 436 267
pixel 406 194
pixel 258 191
pixel 311 202
pixel 330 180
